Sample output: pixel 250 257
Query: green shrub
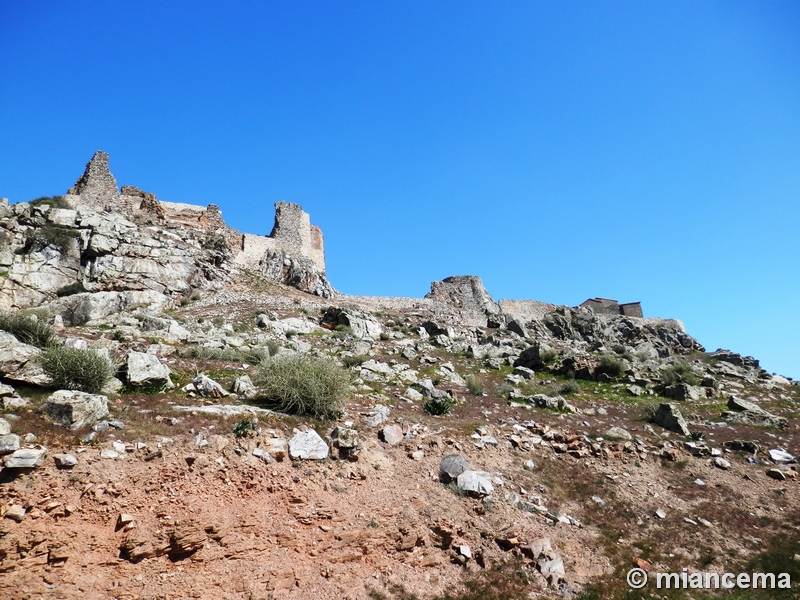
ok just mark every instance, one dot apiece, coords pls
pixel 54 236
pixel 474 385
pixel 354 360
pixel 273 348
pixel 254 356
pixel 51 201
pixel 245 427
pixel 385 337
pixel 27 329
pixel 76 369
pixel 71 289
pixel 439 406
pixel 569 387
pixel 548 355
pixel 680 372
pixel 610 365
pixel 304 385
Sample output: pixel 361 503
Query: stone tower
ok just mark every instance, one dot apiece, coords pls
pixel 97 187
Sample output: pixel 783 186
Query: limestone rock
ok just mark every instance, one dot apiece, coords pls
pixel 15 512
pixel 744 411
pixel 145 370
pixel 669 417
pixel 618 433
pixel 25 458
pixel 65 461
pixel 5 426
pixel 295 271
pixel 308 445
pixel 18 362
pixel 466 293
pixel 207 387
pixel 475 482
pixel 392 434
pixel 347 442
pixel 243 386
pixel 380 414
pixel 361 324
pixel 275 447
pixel 9 443
pixel 75 409
pixel 451 467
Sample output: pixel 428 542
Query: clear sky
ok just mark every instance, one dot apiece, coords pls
pixel 644 150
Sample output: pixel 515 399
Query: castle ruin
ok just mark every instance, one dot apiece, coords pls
pixel 292 234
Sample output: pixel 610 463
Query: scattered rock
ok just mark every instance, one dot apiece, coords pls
pixel 380 414
pixel 451 467
pixel 207 387
pixel 475 482
pixel 749 413
pixel 392 434
pixel 721 463
pixel 15 512
pixel 75 409
pixel 65 461
pixel 346 441
pixel 24 458
pixel 243 386
pixel 308 445
pixel 669 417
pixel 9 443
pixel 618 433
pixel 145 370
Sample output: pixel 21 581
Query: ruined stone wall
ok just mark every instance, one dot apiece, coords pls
pixel 96 188
pixel 252 249
pixel 292 232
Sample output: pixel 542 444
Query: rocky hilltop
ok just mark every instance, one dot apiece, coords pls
pixel 508 446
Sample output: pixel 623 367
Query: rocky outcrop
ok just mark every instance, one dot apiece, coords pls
pixel 467 294
pixel 300 273
pixel 55 252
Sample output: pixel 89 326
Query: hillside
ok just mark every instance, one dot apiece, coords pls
pixel 586 441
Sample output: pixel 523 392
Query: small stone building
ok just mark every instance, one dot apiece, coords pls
pixel 607 306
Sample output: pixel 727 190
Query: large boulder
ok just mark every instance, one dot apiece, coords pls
pixel 478 483
pixel 669 417
pixel 451 467
pixel 145 370
pixel 295 271
pixel 18 362
pixel 308 445
pixel 362 325
pixel 750 413
pixel 75 409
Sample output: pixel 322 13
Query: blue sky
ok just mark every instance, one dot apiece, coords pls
pixel 560 150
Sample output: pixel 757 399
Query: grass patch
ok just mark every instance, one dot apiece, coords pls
pixel 54 236
pixel 253 356
pixel 28 329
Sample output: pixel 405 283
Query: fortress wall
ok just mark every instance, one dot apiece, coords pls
pixel 317 251
pixel 252 249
